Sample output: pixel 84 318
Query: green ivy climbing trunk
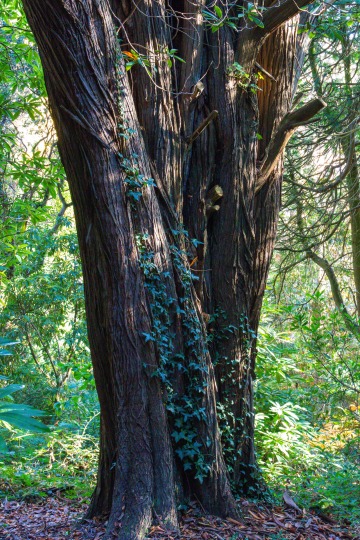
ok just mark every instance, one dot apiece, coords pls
pixel 171 321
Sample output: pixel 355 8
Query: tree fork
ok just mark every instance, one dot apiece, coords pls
pixel 287 127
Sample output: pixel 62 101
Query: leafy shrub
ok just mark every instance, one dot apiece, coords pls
pixel 12 414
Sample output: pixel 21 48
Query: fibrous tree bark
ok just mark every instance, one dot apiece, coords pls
pixel 197 142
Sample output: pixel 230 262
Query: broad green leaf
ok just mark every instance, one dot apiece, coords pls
pixel 10 389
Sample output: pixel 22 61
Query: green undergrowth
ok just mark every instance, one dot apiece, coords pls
pixel 307 425
pixel 63 462
pixel 307 434
pixel 332 489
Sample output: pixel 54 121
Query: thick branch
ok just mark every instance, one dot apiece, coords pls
pixel 253 37
pixel 277 144
pixel 336 292
pixel 275 16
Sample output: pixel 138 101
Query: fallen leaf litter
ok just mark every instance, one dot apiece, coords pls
pixel 59 519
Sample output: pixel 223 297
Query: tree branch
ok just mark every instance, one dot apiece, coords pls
pixel 287 126
pixel 336 292
pixel 275 16
pixel 266 73
pixel 202 126
pixel 350 163
pixel 61 213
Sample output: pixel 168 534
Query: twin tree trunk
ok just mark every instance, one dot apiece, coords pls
pixel 212 141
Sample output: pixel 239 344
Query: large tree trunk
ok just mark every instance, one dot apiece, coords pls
pixel 160 440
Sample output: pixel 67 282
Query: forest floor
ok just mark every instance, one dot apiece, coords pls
pixel 57 518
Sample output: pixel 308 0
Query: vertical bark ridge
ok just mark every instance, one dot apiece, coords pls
pixel 154 91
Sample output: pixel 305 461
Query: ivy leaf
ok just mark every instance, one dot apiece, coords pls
pixel 148 337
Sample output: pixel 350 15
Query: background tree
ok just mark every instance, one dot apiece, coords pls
pixel 322 182
pixel 314 280
pixel 36 247
pixel 142 153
